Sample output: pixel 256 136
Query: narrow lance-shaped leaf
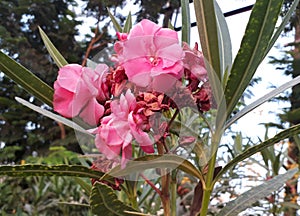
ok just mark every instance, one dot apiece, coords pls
pixel 26 79
pixel 53 116
pixel 254 44
pixel 46 170
pixel 117 26
pixel 262 100
pixel 186 21
pixel 225 48
pixel 54 53
pixel 294 130
pixel 208 34
pixel 284 22
pixel 128 23
pixel 104 201
pixel 245 200
pixel 155 161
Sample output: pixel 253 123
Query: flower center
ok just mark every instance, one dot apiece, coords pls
pixel 154 60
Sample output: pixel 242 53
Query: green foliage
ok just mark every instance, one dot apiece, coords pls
pixel 208 34
pixel 259 38
pixel 23 77
pixel 45 195
pixel 255 42
pixel 259 192
pixel 156 161
pixel 20 39
pixel 104 200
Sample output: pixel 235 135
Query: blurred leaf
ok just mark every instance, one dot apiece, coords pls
pixel 238 143
pixel 53 116
pixel 26 79
pixel 254 44
pixel 84 185
pixel 262 100
pixel 128 24
pixel 292 116
pixel 55 54
pixel 46 170
pixel 197 199
pixel 286 19
pixel 245 200
pixel 6 101
pixel 258 148
pixel 156 161
pixel 290 205
pixel 117 26
pixel 104 201
pixel 198 195
pixel 225 49
pixel 208 34
pixel 186 21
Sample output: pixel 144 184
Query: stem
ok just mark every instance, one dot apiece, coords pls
pixel 205 202
pixel 151 184
pixel 173 193
pixel 209 184
pixel 134 203
pixel 165 182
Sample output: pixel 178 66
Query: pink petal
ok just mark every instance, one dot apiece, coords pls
pixel 92 112
pixel 140 136
pixel 62 101
pixel 109 151
pixel 68 76
pixel 145 27
pixel 126 155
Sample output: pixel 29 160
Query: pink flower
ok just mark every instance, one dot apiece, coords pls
pixel 78 90
pixel 194 61
pixel 148 53
pixel 117 131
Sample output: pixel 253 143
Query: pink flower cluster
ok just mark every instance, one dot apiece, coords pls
pixel 152 73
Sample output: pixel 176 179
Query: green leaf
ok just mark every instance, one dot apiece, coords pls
pixel 245 200
pixel 87 187
pixel 209 38
pixel 286 19
pixel 294 130
pixel 225 48
pixel 156 161
pixel 291 116
pixel 186 21
pixel 53 116
pixel 117 26
pixel 290 205
pixel 104 201
pixel 262 100
pixel 26 79
pixel 254 44
pixel 46 170
pixel 208 34
pixel 54 53
pixel 128 23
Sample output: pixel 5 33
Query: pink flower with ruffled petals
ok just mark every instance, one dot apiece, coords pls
pixel 78 90
pixel 148 53
pixel 120 128
pixel 194 62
